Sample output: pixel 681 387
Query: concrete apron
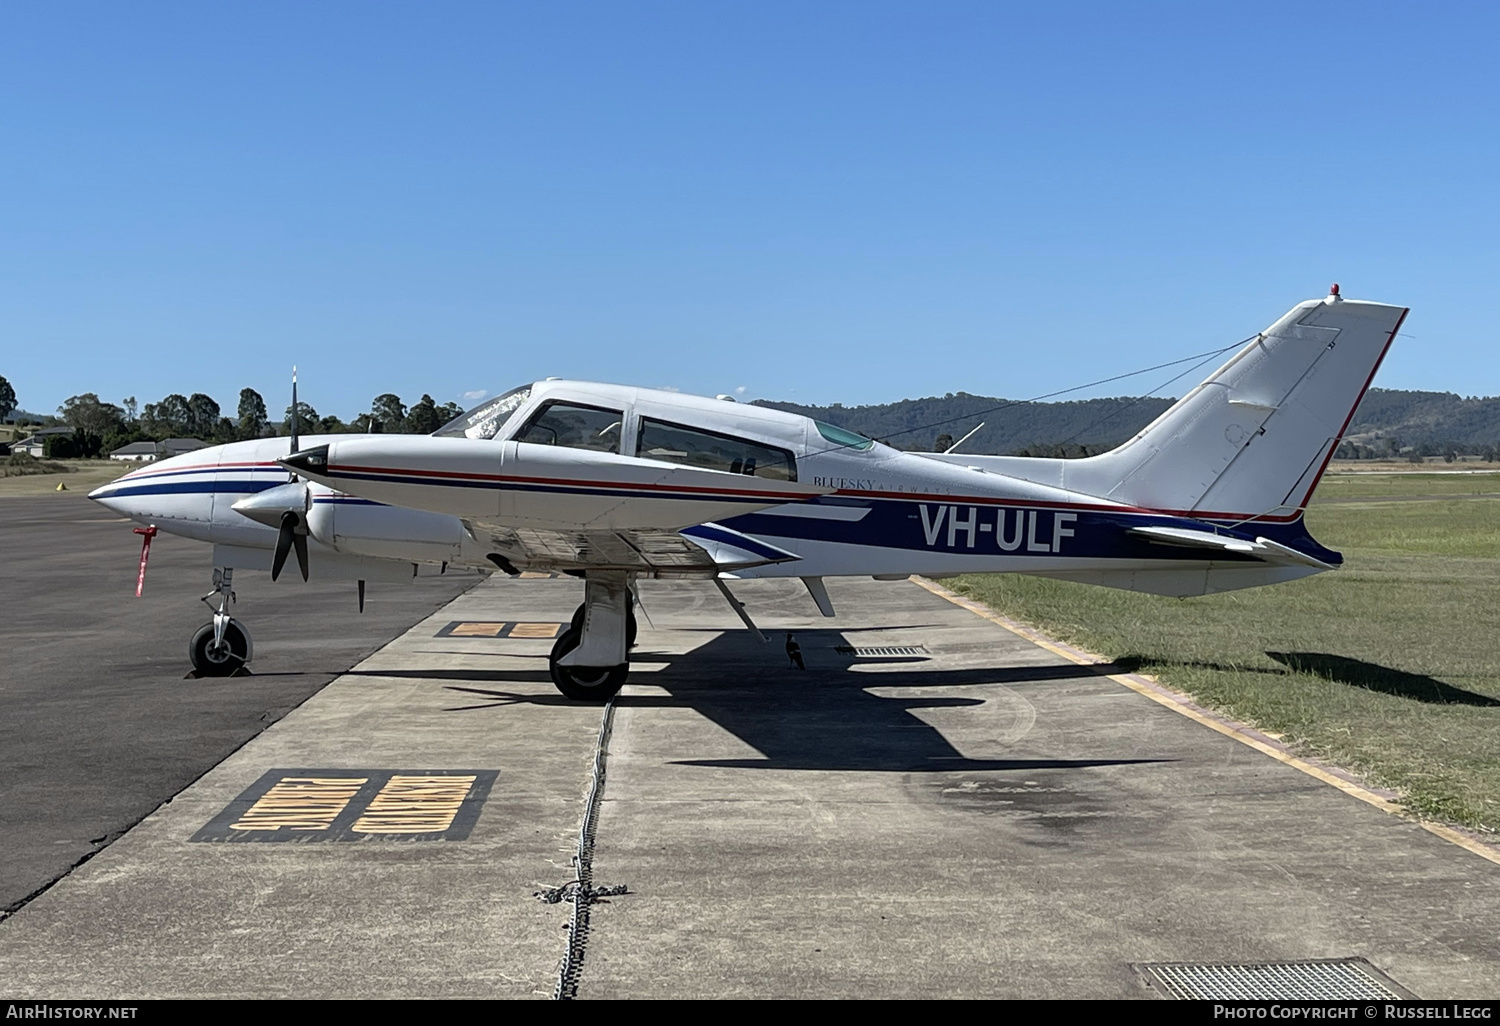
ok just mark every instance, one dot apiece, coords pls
pixel 156 915
pixel 976 817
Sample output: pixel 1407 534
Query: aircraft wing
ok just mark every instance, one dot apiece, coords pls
pixel 700 551
pixel 1261 548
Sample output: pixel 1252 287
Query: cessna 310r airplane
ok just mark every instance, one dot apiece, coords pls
pixel 613 483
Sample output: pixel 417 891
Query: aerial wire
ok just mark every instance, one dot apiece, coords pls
pixel 1139 399
pixel 1196 360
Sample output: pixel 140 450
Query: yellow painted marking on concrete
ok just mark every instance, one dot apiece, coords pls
pixel 477 630
pixel 415 805
pixel 1179 703
pixel 532 575
pixel 535 630
pixel 300 803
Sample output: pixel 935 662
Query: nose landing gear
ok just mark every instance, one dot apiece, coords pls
pixel 223 647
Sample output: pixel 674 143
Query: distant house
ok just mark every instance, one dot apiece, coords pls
pixel 33 446
pixel 169 447
pixel 135 452
pixel 165 449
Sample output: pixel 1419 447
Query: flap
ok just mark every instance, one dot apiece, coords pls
pixel 704 550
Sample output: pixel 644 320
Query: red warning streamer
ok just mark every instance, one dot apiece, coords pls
pixel 146 533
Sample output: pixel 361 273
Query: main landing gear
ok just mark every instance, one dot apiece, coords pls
pixel 221 648
pixel 588 661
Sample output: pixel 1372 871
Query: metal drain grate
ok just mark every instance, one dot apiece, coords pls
pixel 883 650
pixel 1345 979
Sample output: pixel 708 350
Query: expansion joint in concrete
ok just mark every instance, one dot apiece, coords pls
pixel 580 891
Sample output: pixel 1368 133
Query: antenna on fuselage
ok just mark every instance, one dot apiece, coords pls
pixel 962 440
pixel 292 427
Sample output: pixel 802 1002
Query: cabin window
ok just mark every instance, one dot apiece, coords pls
pixel 574 426
pixel 695 447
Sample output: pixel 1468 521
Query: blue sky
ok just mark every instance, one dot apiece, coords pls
pixel 823 202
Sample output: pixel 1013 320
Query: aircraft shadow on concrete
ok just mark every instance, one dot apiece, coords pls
pixel 1374 677
pixel 823 717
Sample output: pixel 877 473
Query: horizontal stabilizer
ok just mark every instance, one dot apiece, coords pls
pixel 1286 554
pixel 1261 548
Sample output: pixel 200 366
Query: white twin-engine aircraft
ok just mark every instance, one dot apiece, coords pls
pixel 611 483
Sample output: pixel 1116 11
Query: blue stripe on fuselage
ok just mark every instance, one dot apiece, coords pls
pixel 190 487
pixel 952 528
pixel 225 488
pixel 976 530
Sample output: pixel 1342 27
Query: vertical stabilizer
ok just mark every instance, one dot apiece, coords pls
pixel 1253 439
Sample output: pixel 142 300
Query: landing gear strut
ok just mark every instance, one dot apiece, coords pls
pixel 630 626
pixel 588 661
pixel 223 647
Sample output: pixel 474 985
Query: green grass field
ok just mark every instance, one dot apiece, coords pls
pixel 1389 667
pixel 81 476
pixel 1347 487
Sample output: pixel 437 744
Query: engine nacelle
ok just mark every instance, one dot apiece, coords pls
pixel 360 527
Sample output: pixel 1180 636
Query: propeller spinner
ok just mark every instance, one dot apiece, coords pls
pixel 284 508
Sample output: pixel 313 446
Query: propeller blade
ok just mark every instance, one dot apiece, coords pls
pixel 299 540
pixel 361 596
pixel 284 540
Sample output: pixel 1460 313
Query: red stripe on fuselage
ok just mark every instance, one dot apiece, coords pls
pixel 970 500
pixel 437 475
pixel 143 473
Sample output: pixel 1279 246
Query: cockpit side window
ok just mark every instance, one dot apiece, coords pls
pixel 575 426
pixel 486 419
pixel 843 437
pixel 695 447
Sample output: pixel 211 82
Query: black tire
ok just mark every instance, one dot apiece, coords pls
pixel 584 683
pixel 577 623
pixel 225 663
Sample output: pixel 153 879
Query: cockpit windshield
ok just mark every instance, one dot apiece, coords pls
pixel 486 419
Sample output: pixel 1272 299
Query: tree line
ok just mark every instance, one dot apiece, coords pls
pixel 101 427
